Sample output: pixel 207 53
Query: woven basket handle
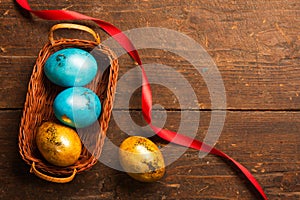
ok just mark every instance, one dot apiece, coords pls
pixel 73 26
pixel 50 178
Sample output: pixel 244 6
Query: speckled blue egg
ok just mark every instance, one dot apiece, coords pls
pixel 71 67
pixel 77 107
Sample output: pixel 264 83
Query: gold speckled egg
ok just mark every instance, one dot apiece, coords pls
pixel 141 159
pixel 59 145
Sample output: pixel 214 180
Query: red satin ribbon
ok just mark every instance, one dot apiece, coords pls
pixel 146 90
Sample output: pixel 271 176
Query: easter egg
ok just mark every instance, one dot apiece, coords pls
pixel 141 159
pixel 77 107
pixel 58 144
pixel 71 67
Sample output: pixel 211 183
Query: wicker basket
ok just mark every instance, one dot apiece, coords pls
pixel 40 96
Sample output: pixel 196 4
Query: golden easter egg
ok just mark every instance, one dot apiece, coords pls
pixel 141 159
pixel 58 144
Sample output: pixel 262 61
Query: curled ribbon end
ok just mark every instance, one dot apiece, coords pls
pixel 146 90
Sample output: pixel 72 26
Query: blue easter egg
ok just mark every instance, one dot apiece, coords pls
pixel 77 107
pixel 71 67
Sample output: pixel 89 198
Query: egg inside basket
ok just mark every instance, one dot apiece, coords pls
pixel 39 101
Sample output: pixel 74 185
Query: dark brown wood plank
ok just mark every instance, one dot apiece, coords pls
pixel 267 143
pixel 255 45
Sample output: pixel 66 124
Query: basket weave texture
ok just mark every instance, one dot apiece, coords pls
pixel 39 100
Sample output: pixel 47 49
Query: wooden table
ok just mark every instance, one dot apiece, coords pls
pixel 255 45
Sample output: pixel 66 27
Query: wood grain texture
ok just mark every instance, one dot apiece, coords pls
pixel 255 45
pixel 262 141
